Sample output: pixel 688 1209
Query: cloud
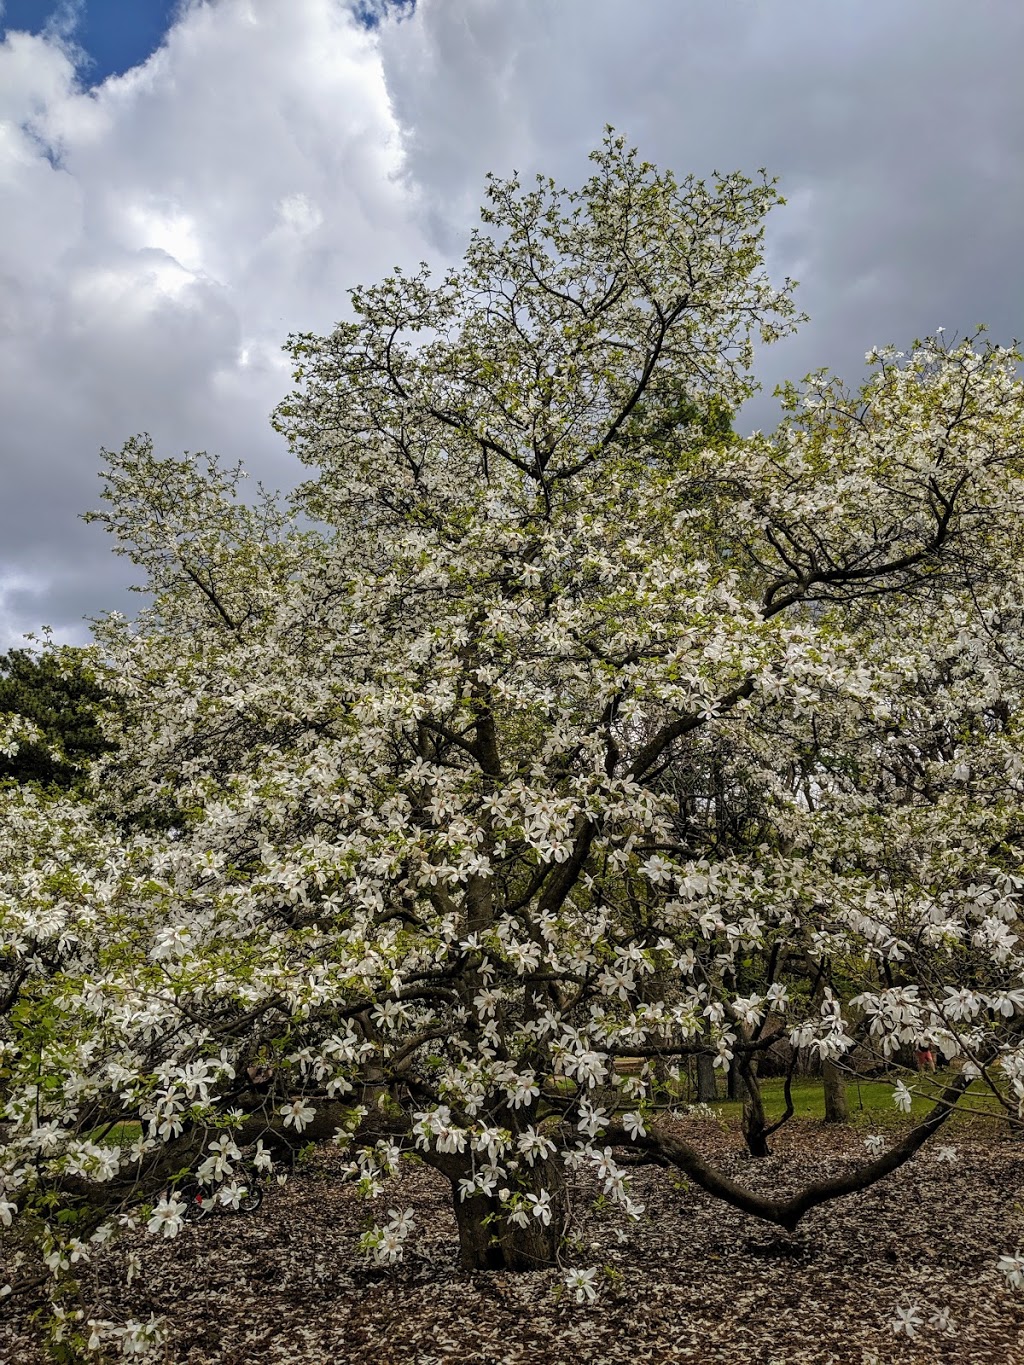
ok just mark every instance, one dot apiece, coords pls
pixel 161 234
pixel 894 129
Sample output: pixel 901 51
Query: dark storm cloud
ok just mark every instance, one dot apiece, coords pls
pixel 895 130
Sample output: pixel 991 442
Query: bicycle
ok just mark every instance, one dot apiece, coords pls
pixel 202 1200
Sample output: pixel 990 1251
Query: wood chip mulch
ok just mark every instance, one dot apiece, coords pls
pixel 694 1281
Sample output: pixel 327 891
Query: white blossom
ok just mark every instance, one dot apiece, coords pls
pixel 168 1217
pixel 907 1319
pixel 1012 1268
pixel 583 1284
pixel 298 1114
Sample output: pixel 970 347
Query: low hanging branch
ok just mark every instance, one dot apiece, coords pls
pixel 787 1213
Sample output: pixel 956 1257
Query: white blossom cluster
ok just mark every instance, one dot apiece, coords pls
pixel 453 802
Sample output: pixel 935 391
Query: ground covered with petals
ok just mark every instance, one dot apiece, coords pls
pixel 693 1281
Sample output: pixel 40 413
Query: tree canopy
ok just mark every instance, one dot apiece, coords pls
pixel 549 725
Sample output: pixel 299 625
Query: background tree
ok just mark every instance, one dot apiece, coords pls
pixel 60 694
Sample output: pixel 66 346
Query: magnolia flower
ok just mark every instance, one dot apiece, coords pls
pixel 448 1139
pixel 231 1196
pixel 97 1327
pixel 901 1097
pixel 171 943
pixel 297 1114
pixel 657 869
pixel 1006 1003
pixel 541 1206
pixel 604 1164
pixel 262 1159
pixel 588 1067
pixel 581 1282
pixel 634 1125
pixel 875 1144
pixel 748 1010
pixel 591 1121
pixel 533 1144
pixel 168 1217
pixel 387 1244
pixel 907 1320
pixel 525 1092
pixel 402 1220
pixel 947 1154
pixel 138 1338
pixel 777 997
pixel 139 1148
pixel 482 1183
pixel 1012 1267
pixel 225 1147
pixel 517 1215
pixel 939 1319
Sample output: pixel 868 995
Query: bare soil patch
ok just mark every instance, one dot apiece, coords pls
pixel 694 1281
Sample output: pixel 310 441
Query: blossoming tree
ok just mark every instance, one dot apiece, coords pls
pixel 487 760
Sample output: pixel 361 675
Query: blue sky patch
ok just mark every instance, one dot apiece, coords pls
pixel 370 12
pixel 115 35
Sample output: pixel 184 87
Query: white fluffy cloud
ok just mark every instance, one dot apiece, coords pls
pixel 161 235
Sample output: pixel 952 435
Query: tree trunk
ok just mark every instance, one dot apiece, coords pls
pixel 659 1081
pixel 735 1090
pixel 707 1081
pixel 836 1110
pixel 755 1127
pixel 488 1241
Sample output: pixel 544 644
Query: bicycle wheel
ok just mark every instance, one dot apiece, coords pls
pixel 253 1197
pixel 251 1200
pixel 198 1202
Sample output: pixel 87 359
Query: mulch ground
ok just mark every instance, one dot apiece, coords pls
pixel 694 1281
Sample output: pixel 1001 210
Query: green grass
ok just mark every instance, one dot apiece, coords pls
pixel 869 1101
pixel 120 1135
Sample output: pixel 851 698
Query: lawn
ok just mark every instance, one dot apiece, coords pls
pixel 870 1102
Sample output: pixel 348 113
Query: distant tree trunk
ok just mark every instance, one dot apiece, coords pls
pixel 836 1109
pixel 736 1090
pixel 707 1080
pixel 660 985
pixel 755 1133
pixel 659 1079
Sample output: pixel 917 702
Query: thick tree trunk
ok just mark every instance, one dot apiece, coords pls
pixel 488 1241
pixel 707 1081
pixel 836 1110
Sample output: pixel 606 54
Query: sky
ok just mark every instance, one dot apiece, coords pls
pixel 184 184
pixel 112 35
